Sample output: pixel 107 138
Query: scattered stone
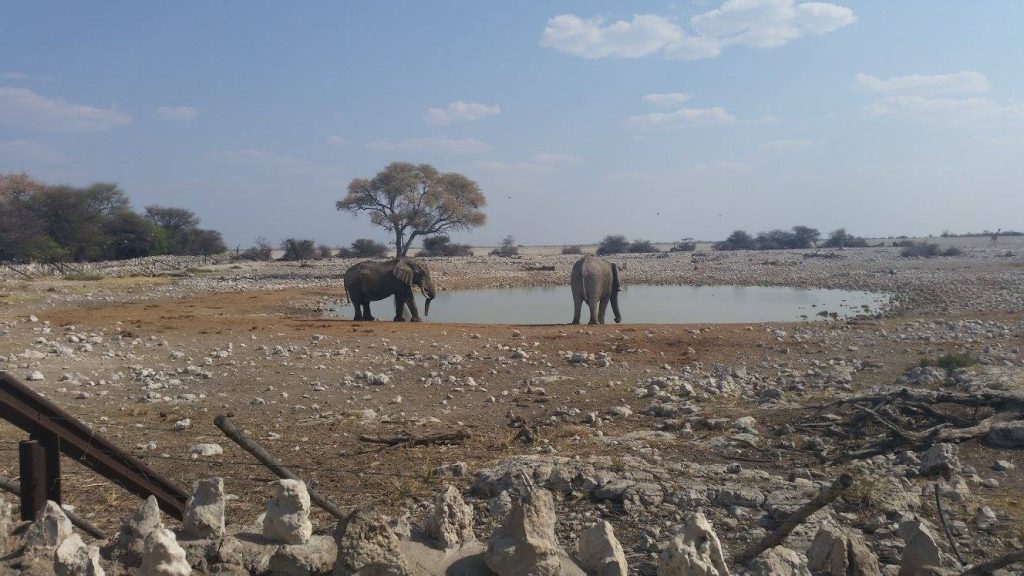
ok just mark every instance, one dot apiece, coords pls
pixel 206 450
pixel 204 511
pixel 287 516
pixel 839 552
pixel 74 558
pixel 921 549
pixel 693 551
pixel 525 544
pixel 778 561
pixel 35 376
pixel 50 527
pixel 318 556
pixel 1003 466
pixel 450 521
pixel 600 553
pixel 1007 434
pixel 940 459
pixel 163 556
pixel 127 546
pixel 368 546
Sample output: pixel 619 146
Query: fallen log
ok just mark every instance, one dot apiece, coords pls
pixel 775 538
pixel 999 400
pixel 406 439
pixel 256 449
pixel 996 564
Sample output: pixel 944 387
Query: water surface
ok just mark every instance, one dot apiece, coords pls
pixel 643 305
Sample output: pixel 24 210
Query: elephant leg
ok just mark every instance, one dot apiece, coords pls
pixel 602 309
pixel 359 310
pixel 577 305
pixel 399 308
pixel 366 312
pixel 592 304
pixel 411 302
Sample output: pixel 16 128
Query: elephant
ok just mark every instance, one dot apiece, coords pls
pixel 596 282
pixel 371 280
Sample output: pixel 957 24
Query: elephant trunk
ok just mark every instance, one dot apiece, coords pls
pixel 429 293
pixel 616 288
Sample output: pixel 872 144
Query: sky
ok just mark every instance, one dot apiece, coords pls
pixel 655 120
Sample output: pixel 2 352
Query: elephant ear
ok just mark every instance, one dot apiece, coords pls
pixel 404 271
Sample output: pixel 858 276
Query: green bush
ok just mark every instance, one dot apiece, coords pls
pixel 738 240
pixel 571 250
pixel 613 244
pixel 508 247
pixel 367 248
pixel 950 361
pixel 684 245
pixel 298 250
pixel 920 250
pixel 261 252
pixel 642 247
pixel 443 246
pixel 841 239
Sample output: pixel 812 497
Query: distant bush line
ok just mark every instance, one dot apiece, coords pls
pixel 58 223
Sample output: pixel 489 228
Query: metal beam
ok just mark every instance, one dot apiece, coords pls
pixel 23 407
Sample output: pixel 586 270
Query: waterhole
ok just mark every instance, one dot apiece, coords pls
pixel 641 304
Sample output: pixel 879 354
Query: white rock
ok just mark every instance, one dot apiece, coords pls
pixel 163 556
pixel 525 544
pixel 600 553
pixel 35 376
pixel 450 521
pixel 940 459
pixel 204 511
pixel 206 450
pixel 128 545
pixel 182 424
pixel 287 516
pixel 50 527
pixel 920 551
pixel 74 558
pixel 369 546
pixel 693 551
pixel 840 552
pixel 778 561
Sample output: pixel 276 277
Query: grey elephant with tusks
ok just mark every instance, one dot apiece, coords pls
pixel 596 282
pixel 370 281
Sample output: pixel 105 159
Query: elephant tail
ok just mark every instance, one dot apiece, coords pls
pixel 615 279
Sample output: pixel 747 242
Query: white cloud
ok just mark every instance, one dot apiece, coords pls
pixel 668 100
pixel 946 110
pixel 540 162
pixel 336 140
pixel 967 81
pixel 753 23
pixel 441 144
pixel 461 112
pixel 12 76
pixel 790 145
pixel 177 113
pixel 22 151
pixel 683 117
pixel 24 108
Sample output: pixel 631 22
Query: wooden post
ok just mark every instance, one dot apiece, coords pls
pixel 51 448
pixel 32 467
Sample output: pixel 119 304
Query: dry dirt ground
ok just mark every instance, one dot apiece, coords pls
pixel 292 378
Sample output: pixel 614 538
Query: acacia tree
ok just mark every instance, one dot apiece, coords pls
pixel 412 200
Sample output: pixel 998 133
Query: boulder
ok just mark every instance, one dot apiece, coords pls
pixel 600 553
pixel 127 546
pixel 1007 434
pixel 693 551
pixel 840 552
pixel 74 558
pixel 204 511
pixel 778 561
pixel 287 516
pixel 940 459
pixel 921 550
pixel 450 521
pixel 162 556
pixel 251 552
pixel 50 527
pixel 314 557
pixel 368 546
pixel 525 543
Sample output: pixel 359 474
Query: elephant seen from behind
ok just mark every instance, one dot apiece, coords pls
pixel 370 281
pixel 596 282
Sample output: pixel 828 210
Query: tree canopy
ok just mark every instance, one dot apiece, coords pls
pixel 411 200
pixel 54 223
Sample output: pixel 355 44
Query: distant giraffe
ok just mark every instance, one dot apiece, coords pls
pixel 995 235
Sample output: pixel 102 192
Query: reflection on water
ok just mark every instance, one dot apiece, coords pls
pixel 643 305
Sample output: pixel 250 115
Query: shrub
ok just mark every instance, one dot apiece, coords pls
pixel 324 251
pixel 920 250
pixel 841 239
pixel 952 251
pixel 738 240
pixel 262 251
pixel 443 246
pixel 508 247
pixel 296 249
pixel 642 247
pixel 950 361
pixel 367 248
pixel 613 244
pixel 571 250
pixel 684 245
